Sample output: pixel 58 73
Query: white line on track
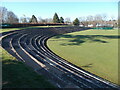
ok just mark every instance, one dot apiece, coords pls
pixel 12 48
pixel 42 65
pixel 15 50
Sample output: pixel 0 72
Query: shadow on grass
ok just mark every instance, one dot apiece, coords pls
pixel 88 65
pixel 16 75
pixel 79 39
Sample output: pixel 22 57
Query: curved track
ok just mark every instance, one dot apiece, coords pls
pixel 29 46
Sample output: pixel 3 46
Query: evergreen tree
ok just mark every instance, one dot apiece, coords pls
pixel 33 19
pixel 61 20
pixel 56 18
pixel 76 22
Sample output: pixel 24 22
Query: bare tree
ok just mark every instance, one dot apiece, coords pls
pixel 104 17
pixel 7 16
pixel 112 17
pixel 24 19
pixel 39 19
pixel 46 20
pixel 49 20
pixel 90 19
pixel 3 14
pixel 28 19
pixel 67 20
pixel 82 19
pixel 98 19
pixel 11 17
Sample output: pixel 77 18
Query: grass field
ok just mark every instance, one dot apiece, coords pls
pixel 93 50
pixel 15 74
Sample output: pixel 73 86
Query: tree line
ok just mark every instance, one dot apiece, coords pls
pixel 9 17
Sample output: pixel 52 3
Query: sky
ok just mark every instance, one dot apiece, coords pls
pixel 65 9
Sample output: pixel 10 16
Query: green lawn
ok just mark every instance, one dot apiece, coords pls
pixel 93 50
pixel 15 74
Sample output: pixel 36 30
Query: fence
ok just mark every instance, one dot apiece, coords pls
pixel 17 25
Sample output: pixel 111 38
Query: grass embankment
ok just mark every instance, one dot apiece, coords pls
pixel 16 74
pixel 93 50
pixel 10 29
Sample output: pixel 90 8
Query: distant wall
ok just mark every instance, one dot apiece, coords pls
pixel 17 25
